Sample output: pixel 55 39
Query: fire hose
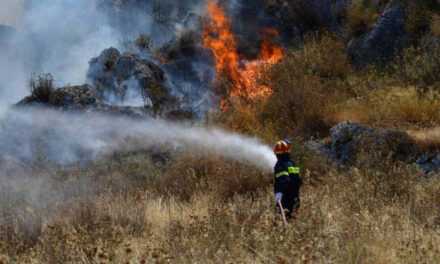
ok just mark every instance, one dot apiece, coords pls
pixel 283 214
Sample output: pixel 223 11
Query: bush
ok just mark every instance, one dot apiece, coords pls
pixel 143 42
pixel 245 118
pixel 435 25
pixel 190 175
pixel 299 13
pixel 419 65
pixel 420 16
pixel 361 17
pixel 304 84
pixel 41 87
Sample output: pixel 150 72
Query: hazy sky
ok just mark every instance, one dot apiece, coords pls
pixel 10 11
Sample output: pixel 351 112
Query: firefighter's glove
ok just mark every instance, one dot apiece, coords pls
pixel 278 197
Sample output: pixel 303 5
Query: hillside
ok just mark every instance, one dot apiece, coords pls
pixel 162 154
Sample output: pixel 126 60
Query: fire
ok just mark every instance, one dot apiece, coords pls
pixel 244 74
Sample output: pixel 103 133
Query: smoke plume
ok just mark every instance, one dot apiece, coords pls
pixel 66 138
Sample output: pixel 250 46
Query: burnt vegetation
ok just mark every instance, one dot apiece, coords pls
pixel 42 87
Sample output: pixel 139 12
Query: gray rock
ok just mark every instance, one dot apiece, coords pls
pixel 429 163
pixel 355 144
pixel 358 145
pixel 130 80
pixel 345 138
pixel 386 38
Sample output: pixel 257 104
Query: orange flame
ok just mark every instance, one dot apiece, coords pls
pixel 218 37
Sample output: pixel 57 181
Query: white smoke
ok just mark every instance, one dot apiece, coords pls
pixel 60 37
pixel 11 12
pixel 57 37
pixel 67 138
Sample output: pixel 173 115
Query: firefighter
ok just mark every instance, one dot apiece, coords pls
pixel 287 180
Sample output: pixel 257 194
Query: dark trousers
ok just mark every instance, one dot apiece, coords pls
pixel 291 200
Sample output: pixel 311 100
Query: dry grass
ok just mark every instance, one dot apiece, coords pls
pixel 305 83
pixel 435 25
pixel 419 16
pixel 428 139
pixel 359 216
pixel 190 208
pixel 393 107
pixel 420 66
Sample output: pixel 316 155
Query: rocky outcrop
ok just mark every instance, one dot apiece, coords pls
pixel 127 83
pixel 349 141
pixel 386 38
pixel 130 80
pixel 429 163
pixel 80 98
pixel 352 144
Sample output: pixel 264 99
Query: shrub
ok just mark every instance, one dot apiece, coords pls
pixel 419 65
pixel 435 25
pixel 304 84
pixel 245 118
pixel 420 15
pixel 190 174
pixel 299 13
pixel 41 87
pixel 361 17
pixel 143 42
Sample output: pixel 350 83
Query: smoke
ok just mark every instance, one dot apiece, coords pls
pixel 11 12
pixel 66 138
pixel 57 37
pixel 60 37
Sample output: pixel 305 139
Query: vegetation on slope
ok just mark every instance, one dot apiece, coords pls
pixel 212 211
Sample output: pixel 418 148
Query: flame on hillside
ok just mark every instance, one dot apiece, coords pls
pixel 243 74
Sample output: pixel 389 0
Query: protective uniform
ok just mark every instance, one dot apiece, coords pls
pixel 287 179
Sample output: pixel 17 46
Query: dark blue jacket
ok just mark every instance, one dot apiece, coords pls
pixel 286 174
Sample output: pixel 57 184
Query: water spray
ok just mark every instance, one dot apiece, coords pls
pixel 67 137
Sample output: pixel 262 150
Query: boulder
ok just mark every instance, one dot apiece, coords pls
pixel 130 80
pixel 429 163
pixel 359 145
pixel 386 38
pixel 352 144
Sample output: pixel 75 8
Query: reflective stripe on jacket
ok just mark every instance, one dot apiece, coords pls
pixel 286 173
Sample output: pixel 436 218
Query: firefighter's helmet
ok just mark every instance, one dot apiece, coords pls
pixel 282 147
